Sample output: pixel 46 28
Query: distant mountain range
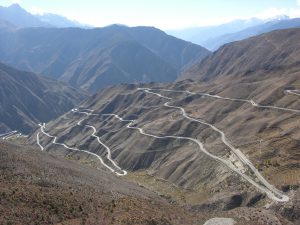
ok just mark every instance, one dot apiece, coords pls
pixel 210 135
pixel 27 99
pixel 199 35
pixel 19 17
pixel 215 36
pixel 95 58
pixel 263 54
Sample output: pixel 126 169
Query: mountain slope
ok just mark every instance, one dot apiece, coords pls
pixel 20 17
pixel 214 43
pixel 125 62
pixel 191 175
pixel 266 53
pixel 27 99
pixel 57 20
pixel 37 187
pixel 227 140
pixel 94 58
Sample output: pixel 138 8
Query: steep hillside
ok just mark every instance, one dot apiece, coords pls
pixel 270 53
pixel 214 145
pixel 92 59
pixel 184 156
pixel 20 17
pixel 27 99
pixel 39 188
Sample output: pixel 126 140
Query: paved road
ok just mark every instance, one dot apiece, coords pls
pixel 251 101
pixel 270 190
pixel 263 185
pixel 43 126
pixel 293 92
pixel 98 138
pixel 8 135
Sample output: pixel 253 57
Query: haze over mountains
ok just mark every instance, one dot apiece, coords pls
pixel 129 125
pixel 216 36
pixel 200 35
pixel 19 17
pixel 95 58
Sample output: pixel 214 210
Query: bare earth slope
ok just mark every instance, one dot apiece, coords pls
pixel 39 188
pixel 264 54
pixel 268 137
pixel 214 145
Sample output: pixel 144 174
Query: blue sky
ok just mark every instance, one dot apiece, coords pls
pixel 164 14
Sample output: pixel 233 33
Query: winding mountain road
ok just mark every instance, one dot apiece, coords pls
pixel 98 139
pixel 261 185
pixel 251 101
pixel 270 190
pixel 43 126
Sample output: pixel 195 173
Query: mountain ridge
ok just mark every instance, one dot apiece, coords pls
pixel 20 18
pixel 265 53
pixel 72 54
pixel 217 42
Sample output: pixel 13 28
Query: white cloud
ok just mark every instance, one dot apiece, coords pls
pixel 273 12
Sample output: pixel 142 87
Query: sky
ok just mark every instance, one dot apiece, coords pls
pixel 163 14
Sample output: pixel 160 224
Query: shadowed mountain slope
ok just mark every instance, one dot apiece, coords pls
pixel 27 99
pixel 93 59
